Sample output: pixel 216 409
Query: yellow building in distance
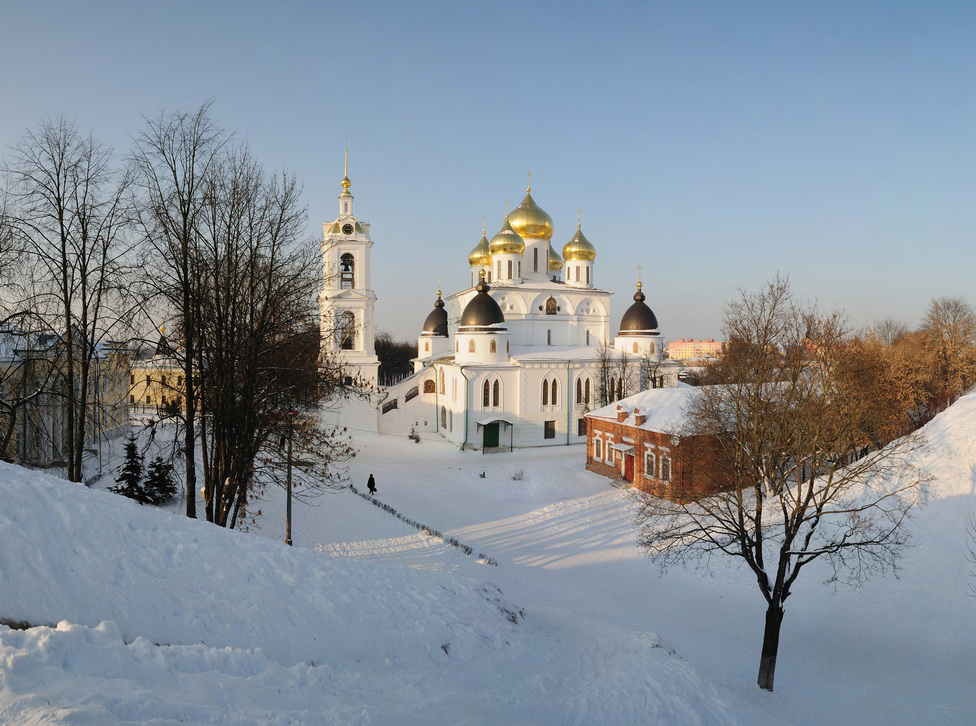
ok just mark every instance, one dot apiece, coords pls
pixel 695 349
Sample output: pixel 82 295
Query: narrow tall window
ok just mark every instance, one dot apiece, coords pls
pixel 471 346
pixel 347 330
pixel 587 275
pixel 665 468
pixel 552 394
pixel 496 393
pixel 492 346
pixel 579 390
pixel 635 348
pixel 548 337
pixel 587 337
pixel 347 271
pixel 486 395
pixel 597 448
pixel 442 381
pixel 499 275
pixel 586 391
pixel 549 429
pixel 577 273
pixel 509 269
pixel 545 393
pixel 535 260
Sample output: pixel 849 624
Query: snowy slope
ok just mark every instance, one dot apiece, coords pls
pixel 152 617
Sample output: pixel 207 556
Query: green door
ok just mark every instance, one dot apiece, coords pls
pixel 491 435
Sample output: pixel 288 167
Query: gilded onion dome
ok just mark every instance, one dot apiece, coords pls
pixel 481 254
pixel 529 220
pixel 507 241
pixel 555 261
pixel 579 248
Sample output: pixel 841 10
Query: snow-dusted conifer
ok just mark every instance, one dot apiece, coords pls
pixel 159 487
pixel 128 481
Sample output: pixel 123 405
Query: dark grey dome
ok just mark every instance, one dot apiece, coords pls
pixel 639 319
pixel 482 310
pixel 436 322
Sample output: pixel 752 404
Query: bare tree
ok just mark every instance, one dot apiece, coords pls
pixel 793 457
pixel 69 218
pixel 889 331
pixel 173 157
pixel 950 326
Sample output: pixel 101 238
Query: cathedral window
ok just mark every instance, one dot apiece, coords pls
pixel 499 270
pixel 587 275
pixel 581 427
pixel 442 381
pixel 471 346
pixel 492 347
pixel 443 417
pixel 577 273
pixel 429 385
pixel 545 393
pixel 583 389
pixel 520 269
pixel 535 260
pixel 551 306
pixel 347 271
pixel 587 337
pixel 586 391
pixel 579 390
pixel 507 348
pixel 496 393
pixel 550 391
pixel 509 269
pixel 426 346
pixel 635 348
pixel 486 395
pixel 457 347
pixel 347 330
pixel 549 430
pixel 454 390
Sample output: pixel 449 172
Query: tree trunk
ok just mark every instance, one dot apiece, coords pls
pixel 770 647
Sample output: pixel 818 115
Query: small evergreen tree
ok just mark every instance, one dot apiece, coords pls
pixel 159 487
pixel 127 483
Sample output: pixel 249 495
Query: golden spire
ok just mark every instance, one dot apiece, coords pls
pixel 528 186
pixel 506 209
pixel 345 171
pixel 639 268
pixel 484 226
pixel 162 330
pixel 579 213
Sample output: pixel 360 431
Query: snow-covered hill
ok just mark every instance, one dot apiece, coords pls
pixel 150 617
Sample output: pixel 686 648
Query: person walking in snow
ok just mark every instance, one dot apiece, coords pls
pixel 371 485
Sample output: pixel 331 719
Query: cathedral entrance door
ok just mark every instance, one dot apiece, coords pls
pixel 629 467
pixel 491 435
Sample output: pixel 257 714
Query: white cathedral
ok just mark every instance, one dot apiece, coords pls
pixel 514 360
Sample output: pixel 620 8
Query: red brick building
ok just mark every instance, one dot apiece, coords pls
pixel 636 440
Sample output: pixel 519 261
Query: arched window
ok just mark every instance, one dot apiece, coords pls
pixel 486 395
pixel 443 417
pixel 551 306
pixel 471 346
pixel 586 391
pixel 545 393
pixel 492 347
pixel 442 381
pixel 426 346
pixel 507 348
pixel 347 330
pixel 550 396
pixel 587 275
pixel 496 394
pixel 429 385
pixel 347 271
pixel 499 274
pixel 635 348
pixel 577 273
pixel 553 398
pixel 579 390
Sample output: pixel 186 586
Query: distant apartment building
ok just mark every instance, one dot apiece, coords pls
pixel 695 349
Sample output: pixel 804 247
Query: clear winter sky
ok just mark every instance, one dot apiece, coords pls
pixel 713 143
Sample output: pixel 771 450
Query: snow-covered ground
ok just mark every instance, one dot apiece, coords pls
pixel 150 617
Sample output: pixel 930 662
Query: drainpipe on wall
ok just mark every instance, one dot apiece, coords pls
pixel 569 401
pixel 466 407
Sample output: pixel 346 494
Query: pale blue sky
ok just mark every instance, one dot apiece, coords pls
pixel 714 143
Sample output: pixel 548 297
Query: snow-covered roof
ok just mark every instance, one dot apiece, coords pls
pixel 552 352
pixel 664 408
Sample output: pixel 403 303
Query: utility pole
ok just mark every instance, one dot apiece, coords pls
pixel 291 419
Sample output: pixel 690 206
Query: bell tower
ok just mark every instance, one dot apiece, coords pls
pixel 346 302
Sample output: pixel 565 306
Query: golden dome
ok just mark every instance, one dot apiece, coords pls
pixel 507 241
pixel 555 261
pixel 579 248
pixel 481 254
pixel 529 220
